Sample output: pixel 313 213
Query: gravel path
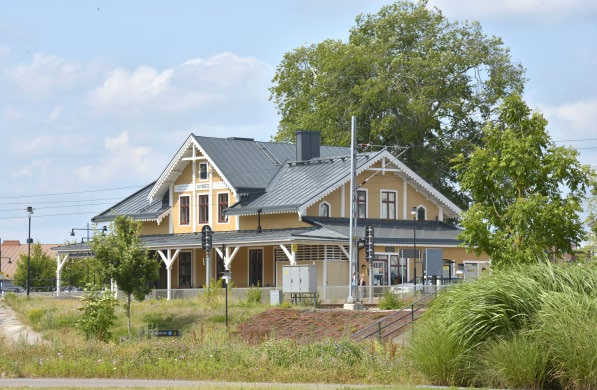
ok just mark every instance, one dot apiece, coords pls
pixel 14 330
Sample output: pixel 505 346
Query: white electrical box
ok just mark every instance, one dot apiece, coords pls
pixel 299 279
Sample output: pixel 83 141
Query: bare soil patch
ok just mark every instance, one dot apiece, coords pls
pixel 307 325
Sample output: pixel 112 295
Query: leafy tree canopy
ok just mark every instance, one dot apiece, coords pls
pixel 125 261
pixel 410 76
pixel 527 193
pixel 43 269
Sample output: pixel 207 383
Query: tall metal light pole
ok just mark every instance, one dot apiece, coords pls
pixel 353 254
pixel 414 214
pixel 29 213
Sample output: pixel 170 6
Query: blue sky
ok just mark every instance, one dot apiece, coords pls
pixel 97 96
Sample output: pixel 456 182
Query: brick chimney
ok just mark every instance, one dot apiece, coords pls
pixel 307 144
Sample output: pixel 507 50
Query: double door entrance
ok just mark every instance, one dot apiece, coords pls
pixel 389 269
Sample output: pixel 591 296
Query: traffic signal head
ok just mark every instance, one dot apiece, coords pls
pixel 369 243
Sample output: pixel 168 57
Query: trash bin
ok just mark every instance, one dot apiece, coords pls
pixel 275 297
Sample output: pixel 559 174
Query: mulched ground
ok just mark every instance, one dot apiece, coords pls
pixel 307 325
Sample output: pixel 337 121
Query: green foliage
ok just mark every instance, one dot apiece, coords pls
pixel 567 332
pixel 43 269
pixel 527 193
pixel 254 296
pixel 97 314
pixel 35 316
pixel 514 363
pixel 390 301
pixel 410 76
pixel 530 327
pixel 124 261
pixel 205 351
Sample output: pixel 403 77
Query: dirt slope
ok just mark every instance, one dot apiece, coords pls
pixel 307 325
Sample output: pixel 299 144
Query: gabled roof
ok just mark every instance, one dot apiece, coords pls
pixel 242 163
pixel 137 206
pixel 266 177
pixel 299 184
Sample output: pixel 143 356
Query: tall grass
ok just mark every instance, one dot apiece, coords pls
pixel 205 351
pixel 567 331
pixel 526 327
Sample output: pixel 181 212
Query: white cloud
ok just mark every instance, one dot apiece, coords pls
pixel 573 120
pixel 537 10
pixel 197 85
pixel 47 76
pixel 121 160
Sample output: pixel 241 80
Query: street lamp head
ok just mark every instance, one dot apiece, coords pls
pixel 414 212
pixel 72 232
pixel 29 210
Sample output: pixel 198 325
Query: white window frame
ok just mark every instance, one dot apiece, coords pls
pixel 180 209
pixel 227 220
pixel 424 209
pixel 381 204
pixel 329 206
pixel 206 171
pixel 365 190
pixel 199 222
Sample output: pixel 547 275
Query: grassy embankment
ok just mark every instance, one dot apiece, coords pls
pixel 204 351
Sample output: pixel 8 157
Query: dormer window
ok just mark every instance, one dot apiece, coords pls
pixel 203 171
pixel 324 209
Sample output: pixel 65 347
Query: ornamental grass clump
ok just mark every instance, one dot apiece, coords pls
pixel 528 327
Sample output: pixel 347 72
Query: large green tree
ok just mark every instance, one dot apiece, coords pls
pixel 43 269
pixel 527 193
pixel 125 261
pixel 410 76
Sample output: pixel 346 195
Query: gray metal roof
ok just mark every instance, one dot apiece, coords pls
pixel 297 182
pixel 252 164
pixel 395 232
pixel 244 237
pixel 330 230
pixel 136 206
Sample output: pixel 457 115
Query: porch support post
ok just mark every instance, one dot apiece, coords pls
pixel 227 256
pixel 59 266
pixel 325 273
pixel 291 255
pixel 169 259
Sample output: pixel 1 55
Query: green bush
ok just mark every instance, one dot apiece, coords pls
pixel 97 314
pixel 390 301
pixel 254 295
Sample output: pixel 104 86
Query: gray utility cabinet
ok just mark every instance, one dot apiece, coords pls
pixel 299 279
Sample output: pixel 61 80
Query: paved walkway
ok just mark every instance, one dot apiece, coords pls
pixel 14 330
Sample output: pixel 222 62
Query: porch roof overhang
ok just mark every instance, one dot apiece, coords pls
pixel 324 230
pixel 241 237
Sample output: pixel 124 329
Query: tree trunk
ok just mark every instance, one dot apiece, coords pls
pixel 128 312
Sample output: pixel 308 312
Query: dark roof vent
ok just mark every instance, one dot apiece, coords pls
pixel 307 144
pixel 241 139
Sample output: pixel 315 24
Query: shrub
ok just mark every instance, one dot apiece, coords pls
pixel 254 295
pixel 98 314
pixel 390 301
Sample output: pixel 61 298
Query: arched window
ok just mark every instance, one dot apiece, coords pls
pixel 324 209
pixel 421 213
